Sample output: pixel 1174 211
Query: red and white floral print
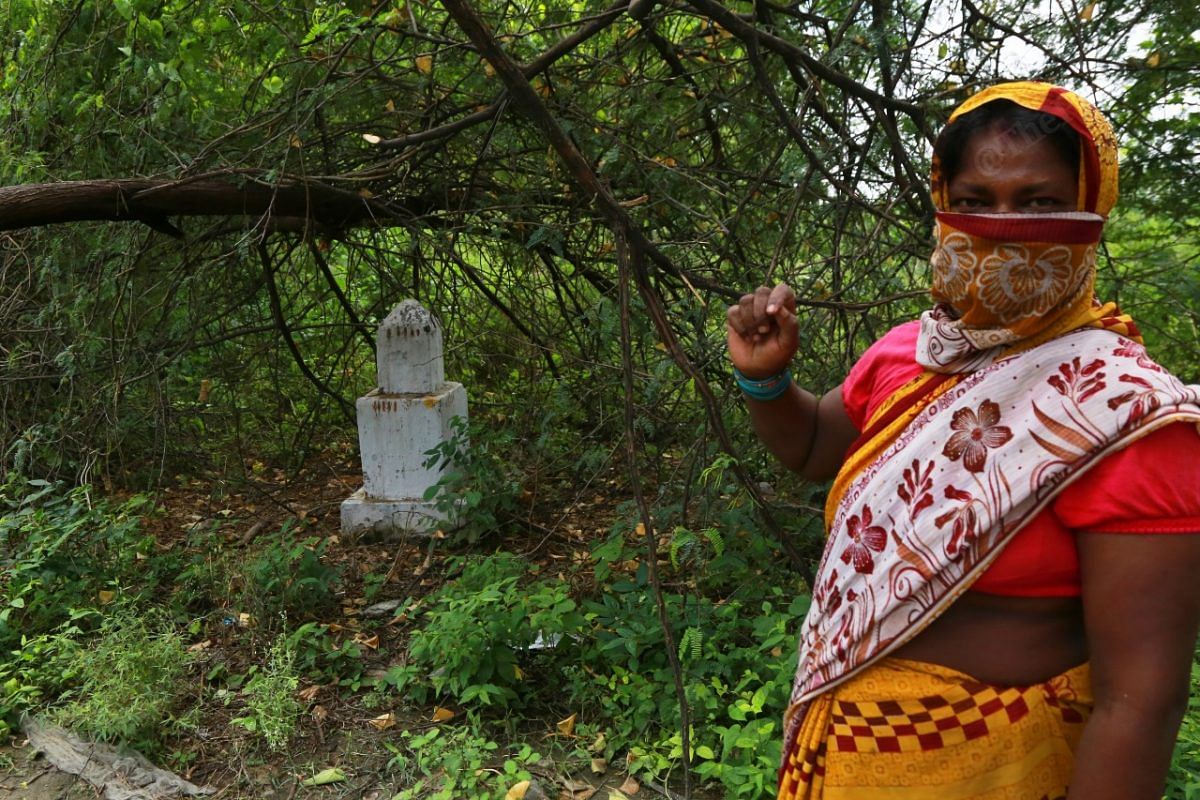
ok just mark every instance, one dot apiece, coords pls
pixel 964 518
pixel 915 491
pixel 865 538
pixel 975 432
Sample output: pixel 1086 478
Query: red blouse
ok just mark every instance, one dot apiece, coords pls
pixel 1151 486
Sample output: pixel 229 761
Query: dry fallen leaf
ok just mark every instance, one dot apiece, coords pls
pixel 567 726
pixel 578 790
pixel 369 642
pixel 371 138
pixel 106 597
pixel 442 714
pixel 630 786
pixel 424 64
pixel 383 721
pixel 319 713
pixel 517 792
pixel 599 765
pixel 309 693
pixel 598 745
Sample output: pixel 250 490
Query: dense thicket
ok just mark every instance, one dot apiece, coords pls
pixel 290 170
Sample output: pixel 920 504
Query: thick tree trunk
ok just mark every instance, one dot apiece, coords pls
pixel 153 201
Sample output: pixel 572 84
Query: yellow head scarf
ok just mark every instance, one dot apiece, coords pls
pixel 1097 154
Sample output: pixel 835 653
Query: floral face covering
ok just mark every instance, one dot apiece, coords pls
pixel 1014 271
pixel 1001 280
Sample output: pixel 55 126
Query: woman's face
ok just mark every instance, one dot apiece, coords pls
pixel 1006 173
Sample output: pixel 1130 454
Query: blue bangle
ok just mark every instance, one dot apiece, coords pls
pixel 763 389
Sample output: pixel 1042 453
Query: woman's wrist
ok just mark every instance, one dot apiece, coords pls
pixel 766 388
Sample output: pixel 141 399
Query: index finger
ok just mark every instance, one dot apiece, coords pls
pixel 781 296
pixel 735 319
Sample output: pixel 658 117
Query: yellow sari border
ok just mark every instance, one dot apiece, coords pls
pixel 908 730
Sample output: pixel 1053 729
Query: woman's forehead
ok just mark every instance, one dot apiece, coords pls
pixel 998 150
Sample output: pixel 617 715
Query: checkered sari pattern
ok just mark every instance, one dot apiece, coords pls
pixel 925 723
pixel 907 730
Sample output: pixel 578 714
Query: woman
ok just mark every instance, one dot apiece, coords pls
pixel 1005 607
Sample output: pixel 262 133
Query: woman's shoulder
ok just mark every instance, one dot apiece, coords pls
pixel 883 368
pixel 1151 486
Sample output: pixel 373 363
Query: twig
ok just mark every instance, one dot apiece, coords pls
pixel 623 256
pixel 661 789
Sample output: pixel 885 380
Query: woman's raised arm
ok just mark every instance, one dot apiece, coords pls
pixel 808 434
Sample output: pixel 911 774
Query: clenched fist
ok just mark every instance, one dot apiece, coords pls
pixel 763 333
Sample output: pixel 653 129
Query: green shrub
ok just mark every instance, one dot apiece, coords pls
pixel 129 681
pixel 474 629
pixel 477 489
pixel 452 763
pixel 36 670
pixel 1183 780
pixel 736 650
pixel 59 550
pixel 288 576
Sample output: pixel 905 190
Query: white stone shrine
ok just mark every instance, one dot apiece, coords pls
pixel 407 415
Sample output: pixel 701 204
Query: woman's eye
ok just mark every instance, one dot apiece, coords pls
pixel 1045 202
pixel 966 203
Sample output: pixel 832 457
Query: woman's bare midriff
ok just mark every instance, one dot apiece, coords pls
pixel 1004 640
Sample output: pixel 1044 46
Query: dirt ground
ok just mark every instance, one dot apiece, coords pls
pixel 564 528
pixel 25 776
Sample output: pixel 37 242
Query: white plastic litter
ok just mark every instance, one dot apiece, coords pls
pixel 121 774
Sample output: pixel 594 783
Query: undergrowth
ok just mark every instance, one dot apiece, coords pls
pixel 135 643
pixel 128 682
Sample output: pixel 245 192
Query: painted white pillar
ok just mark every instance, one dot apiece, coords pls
pixel 407 415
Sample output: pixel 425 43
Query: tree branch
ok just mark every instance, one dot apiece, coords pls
pixel 151 201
